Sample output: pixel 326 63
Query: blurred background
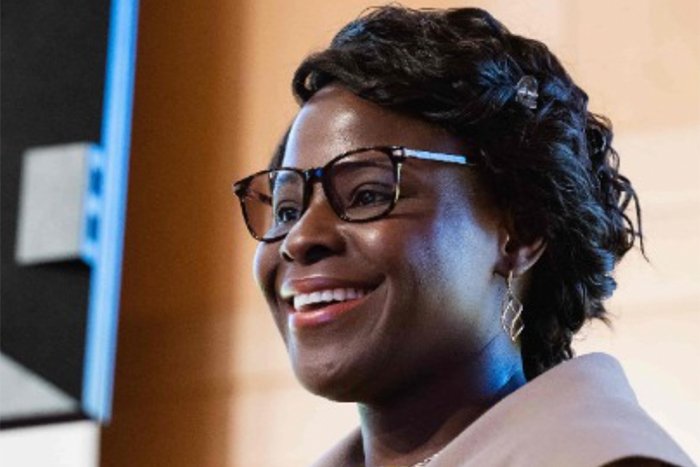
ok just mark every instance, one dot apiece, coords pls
pixel 202 377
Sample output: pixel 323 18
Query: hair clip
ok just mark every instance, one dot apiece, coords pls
pixel 597 141
pixel 526 92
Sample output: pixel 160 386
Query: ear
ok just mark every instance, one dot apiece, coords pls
pixel 516 255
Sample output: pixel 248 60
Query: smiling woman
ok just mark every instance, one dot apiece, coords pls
pixel 466 222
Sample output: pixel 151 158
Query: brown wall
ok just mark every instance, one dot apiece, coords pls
pixel 173 381
pixel 202 377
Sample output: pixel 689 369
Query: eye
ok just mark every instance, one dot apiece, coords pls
pixel 287 212
pixel 371 194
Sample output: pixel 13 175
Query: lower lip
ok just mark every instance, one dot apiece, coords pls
pixel 325 315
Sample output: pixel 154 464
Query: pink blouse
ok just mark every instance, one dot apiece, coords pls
pixel 581 413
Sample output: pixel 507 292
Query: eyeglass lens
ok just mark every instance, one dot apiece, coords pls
pixel 359 186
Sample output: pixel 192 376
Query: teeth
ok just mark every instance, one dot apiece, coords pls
pixel 324 296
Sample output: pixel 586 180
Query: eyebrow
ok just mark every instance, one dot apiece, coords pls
pixel 262 197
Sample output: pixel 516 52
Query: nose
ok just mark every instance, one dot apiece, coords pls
pixel 315 235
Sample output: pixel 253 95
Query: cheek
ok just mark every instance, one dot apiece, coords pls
pixel 388 247
pixel 459 257
pixel 264 266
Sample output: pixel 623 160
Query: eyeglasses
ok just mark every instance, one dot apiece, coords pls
pixel 361 185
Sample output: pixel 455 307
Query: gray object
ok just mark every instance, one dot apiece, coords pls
pixel 23 393
pixel 52 223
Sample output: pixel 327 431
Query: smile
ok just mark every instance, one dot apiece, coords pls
pixel 305 302
pixel 312 302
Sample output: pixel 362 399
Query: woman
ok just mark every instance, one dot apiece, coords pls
pixel 443 215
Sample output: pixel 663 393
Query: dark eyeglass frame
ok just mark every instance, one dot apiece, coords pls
pixel 397 155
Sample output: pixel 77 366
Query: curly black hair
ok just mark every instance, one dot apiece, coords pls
pixel 551 168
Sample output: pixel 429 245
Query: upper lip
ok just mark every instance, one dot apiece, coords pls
pixel 306 285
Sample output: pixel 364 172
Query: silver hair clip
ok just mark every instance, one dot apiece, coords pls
pixel 597 141
pixel 526 92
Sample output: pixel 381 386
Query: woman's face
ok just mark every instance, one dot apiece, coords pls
pixel 426 273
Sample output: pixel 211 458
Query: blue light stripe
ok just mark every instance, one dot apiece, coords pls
pixel 436 156
pixel 106 260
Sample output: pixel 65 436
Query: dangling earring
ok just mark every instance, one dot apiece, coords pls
pixel 511 312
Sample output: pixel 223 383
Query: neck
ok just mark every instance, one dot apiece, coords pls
pixel 418 421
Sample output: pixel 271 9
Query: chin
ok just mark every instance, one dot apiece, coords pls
pixel 333 381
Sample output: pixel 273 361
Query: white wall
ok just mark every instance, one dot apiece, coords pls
pixel 74 444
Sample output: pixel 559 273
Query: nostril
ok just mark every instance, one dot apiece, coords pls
pixel 316 253
pixel 286 256
pixel 308 255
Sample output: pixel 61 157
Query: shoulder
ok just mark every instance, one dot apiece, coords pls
pixel 581 413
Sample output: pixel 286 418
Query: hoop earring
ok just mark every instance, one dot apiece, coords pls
pixel 511 311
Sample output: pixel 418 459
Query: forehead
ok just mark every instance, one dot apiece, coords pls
pixel 334 121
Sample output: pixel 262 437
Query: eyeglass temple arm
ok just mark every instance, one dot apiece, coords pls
pixel 436 156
